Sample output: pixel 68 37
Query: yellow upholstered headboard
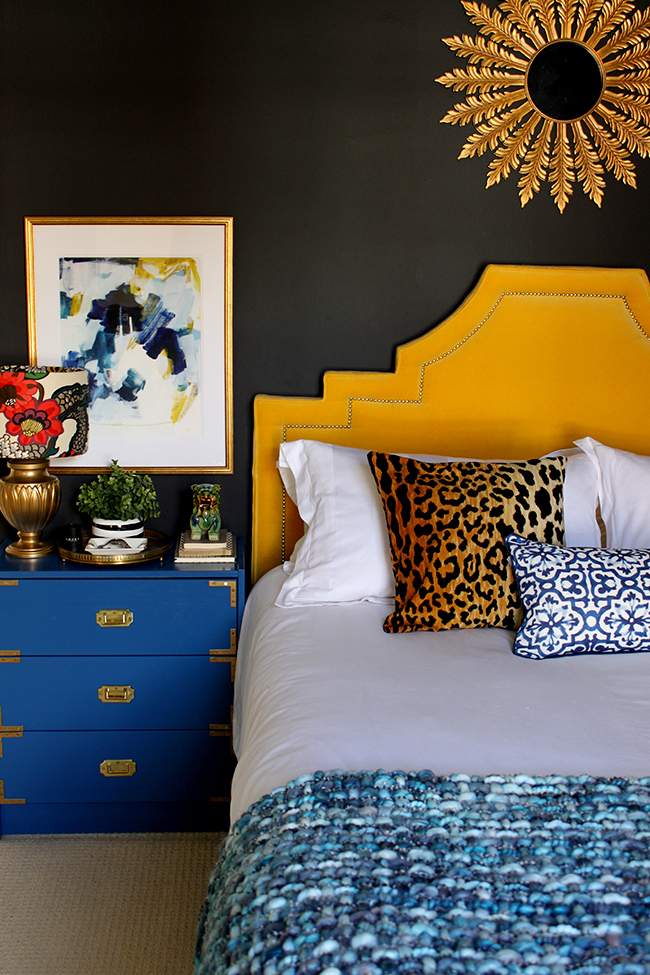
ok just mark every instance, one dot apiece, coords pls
pixel 534 358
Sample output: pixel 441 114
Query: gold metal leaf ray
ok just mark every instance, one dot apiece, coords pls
pixel 535 166
pixel 489 134
pixel 483 107
pixel 522 17
pixel 479 79
pixel 568 10
pixel 497 28
pixel 612 13
pixel 614 156
pixel 479 49
pixel 588 13
pixel 633 30
pixel 634 135
pixel 642 87
pixel 509 153
pixel 631 58
pixel 589 167
pixel 562 171
pixel 553 146
pixel 634 106
pixel 545 13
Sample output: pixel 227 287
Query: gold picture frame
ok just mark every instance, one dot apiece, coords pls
pixel 146 304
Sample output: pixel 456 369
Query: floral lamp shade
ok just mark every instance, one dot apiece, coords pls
pixel 43 412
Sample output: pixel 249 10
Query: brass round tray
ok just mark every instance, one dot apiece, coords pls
pixel 157 546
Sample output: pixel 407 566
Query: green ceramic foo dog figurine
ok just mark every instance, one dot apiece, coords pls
pixel 205 512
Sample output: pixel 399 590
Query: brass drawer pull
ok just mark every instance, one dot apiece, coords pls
pixel 115 693
pixel 114 617
pixel 112 768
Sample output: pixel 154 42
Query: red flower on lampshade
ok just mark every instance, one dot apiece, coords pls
pixel 35 423
pixel 16 392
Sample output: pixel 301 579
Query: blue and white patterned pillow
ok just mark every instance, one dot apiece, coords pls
pixel 580 600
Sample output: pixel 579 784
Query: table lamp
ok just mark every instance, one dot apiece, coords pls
pixel 43 415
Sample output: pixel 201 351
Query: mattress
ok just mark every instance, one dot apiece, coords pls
pixel 323 687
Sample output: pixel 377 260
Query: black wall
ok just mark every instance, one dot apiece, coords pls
pixel 315 124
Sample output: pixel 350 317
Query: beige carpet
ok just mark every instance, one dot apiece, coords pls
pixel 109 904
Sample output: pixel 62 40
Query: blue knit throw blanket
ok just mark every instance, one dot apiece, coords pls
pixel 371 873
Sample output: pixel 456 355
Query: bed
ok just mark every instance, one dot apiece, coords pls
pixel 425 783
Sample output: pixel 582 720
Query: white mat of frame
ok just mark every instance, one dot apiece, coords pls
pixel 109 904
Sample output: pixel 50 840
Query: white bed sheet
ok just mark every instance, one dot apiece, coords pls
pixel 323 687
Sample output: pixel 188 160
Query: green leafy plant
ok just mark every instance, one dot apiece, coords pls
pixel 119 494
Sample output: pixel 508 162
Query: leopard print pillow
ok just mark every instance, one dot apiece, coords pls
pixel 447 524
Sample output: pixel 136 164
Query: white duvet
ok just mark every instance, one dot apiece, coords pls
pixel 323 687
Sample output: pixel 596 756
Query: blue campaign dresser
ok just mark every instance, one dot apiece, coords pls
pixel 116 688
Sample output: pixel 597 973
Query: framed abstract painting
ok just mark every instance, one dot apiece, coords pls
pixel 144 304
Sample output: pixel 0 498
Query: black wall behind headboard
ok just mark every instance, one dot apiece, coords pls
pixel 315 124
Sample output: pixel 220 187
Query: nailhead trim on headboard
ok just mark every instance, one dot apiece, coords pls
pixel 367 399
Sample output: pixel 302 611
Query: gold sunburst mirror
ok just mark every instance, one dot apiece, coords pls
pixel 557 89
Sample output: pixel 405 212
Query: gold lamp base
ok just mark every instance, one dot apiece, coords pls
pixel 29 498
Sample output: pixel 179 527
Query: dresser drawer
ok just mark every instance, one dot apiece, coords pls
pixel 129 615
pixel 65 766
pixel 62 693
pixel 116 817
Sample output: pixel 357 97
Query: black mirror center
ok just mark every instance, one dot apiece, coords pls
pixel 565 81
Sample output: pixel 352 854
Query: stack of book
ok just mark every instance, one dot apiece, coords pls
pixel 203 550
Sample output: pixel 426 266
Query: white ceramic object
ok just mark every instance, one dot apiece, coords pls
pixel 115 528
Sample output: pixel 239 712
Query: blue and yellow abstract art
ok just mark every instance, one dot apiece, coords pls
pixel 135 324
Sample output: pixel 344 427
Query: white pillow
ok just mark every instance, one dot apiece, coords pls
pixel 344 555
pixel 581 528
pixel 624 491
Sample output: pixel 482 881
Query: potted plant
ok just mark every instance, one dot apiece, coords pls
pixel 118 502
